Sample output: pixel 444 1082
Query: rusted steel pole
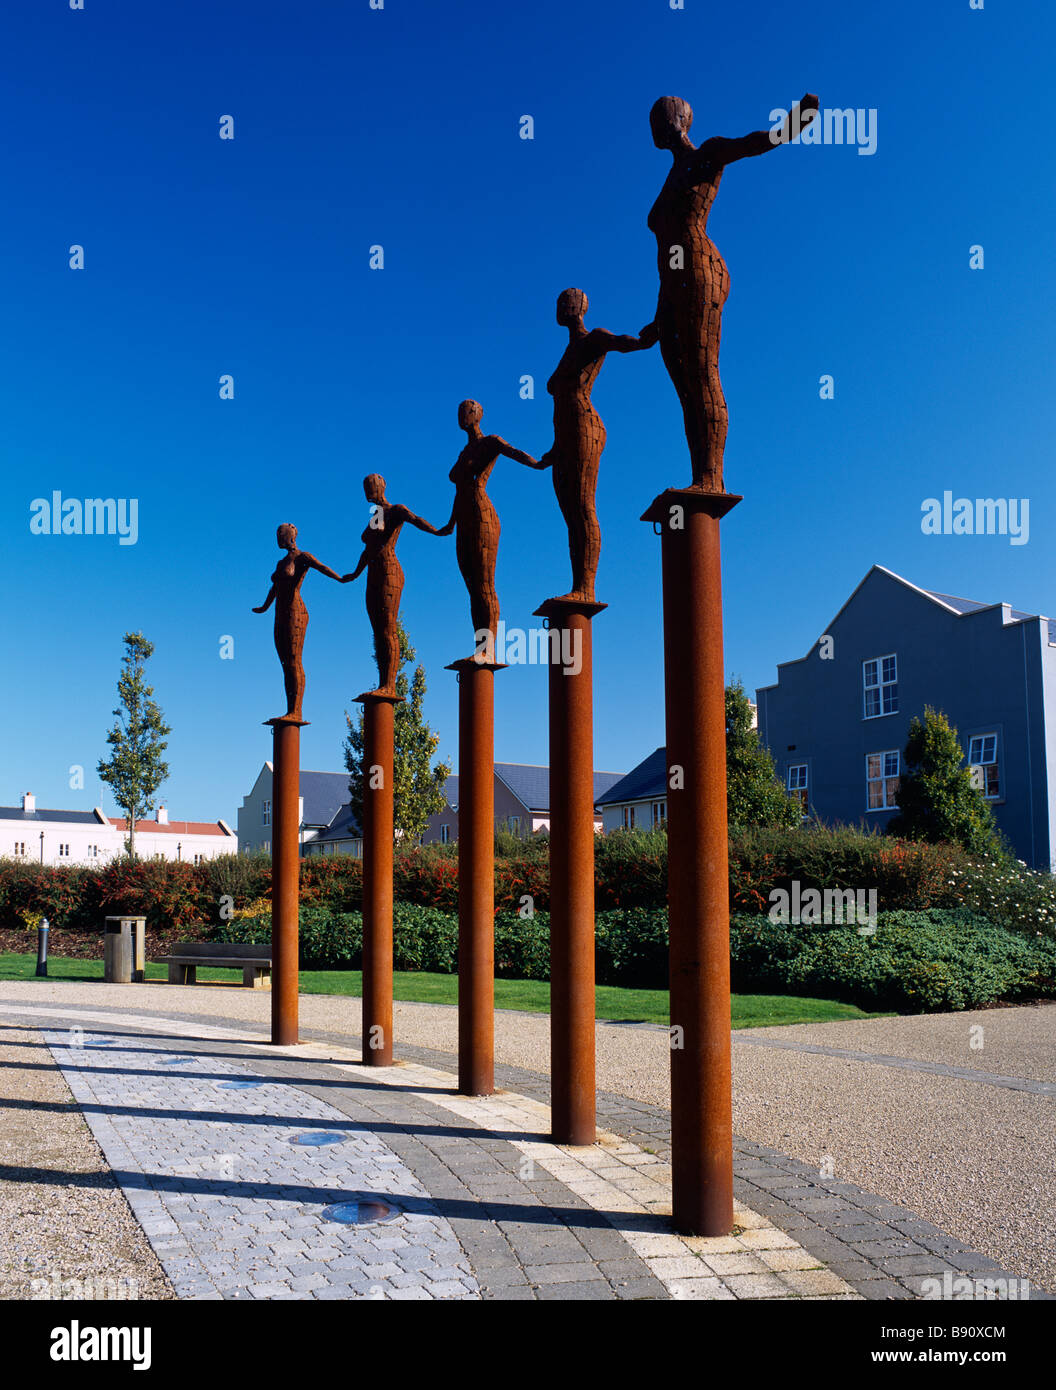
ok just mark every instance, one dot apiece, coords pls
pixel 378 834
pixel 285 871
pixel 698 871
pixel 476 876
pixel 572 1100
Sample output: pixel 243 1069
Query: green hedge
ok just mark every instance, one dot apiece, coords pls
pixel 915 962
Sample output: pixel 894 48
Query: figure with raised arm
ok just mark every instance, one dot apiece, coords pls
pixel 579 435
pixel 476 522
pixel 385 575
pixel 291 616
pixel 694 280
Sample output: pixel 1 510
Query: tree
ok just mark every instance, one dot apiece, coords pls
pixel 418 787
pixel 936 799
pixel 754 796
pixel 135 769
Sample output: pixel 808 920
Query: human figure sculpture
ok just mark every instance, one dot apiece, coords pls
pixel 291 616
pixel 385 575
pixel 476 522
pixel 694 280
pixel 579 435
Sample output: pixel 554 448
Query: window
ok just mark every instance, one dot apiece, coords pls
pixel 93 851
pixel 64 851
pixel 266 846
pixel 445 834
pixel 265 813
pixel 880 685
pixel 197 860
pixel 659 812
pixel 982 758
pixel 628 818
pixel 20 848
pixel 881 780
pixel 514 824
pixel 797 786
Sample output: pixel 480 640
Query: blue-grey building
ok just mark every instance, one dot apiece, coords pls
pixel 837 719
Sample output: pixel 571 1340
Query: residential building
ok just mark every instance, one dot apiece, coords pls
pixel 91 837
pixel 322 796
pixel 639 800
pixel 837 719
pixel 522 801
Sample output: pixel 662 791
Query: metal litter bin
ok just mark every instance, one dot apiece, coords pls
pixel 124 950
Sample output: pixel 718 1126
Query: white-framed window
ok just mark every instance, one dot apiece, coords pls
pixel 629 817
pixel 93 851
pixel 197 860
pixel 982 759
pixel 20 848
pixel 797 783
pixel 445 834
pixel 64 851
pixel 265 813
pixel 881 780
pixel 266 846
pixel 880 686
pixel 659 813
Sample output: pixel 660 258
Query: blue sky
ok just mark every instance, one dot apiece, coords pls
pixel 400 127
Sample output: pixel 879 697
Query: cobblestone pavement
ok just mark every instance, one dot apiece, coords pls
pixel 538 1221
pixel 487 1206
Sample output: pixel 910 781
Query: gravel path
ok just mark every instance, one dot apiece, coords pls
pixel 77 1241
pixel 974 1158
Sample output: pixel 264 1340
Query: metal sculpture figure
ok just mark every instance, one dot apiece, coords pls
pixel 579 435
pixel 694 280
pixel 385 575
pixel 291 616
pixel 476 522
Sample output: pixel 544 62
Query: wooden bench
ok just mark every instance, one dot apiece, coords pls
pixel 252 959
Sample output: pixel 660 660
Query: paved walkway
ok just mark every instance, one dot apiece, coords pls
pixel 487 1207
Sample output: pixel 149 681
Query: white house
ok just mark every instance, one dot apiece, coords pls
pixel 91 837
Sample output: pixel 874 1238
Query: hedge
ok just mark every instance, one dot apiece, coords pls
pixel 915 962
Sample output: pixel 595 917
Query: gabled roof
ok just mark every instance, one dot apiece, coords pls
pixel 70 817
pixel 344 826
pixel 530 784
pixel 642 783
pixel 961 607
pixel 323 794
pixel 172 827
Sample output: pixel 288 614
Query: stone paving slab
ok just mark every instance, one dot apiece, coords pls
pixel 840 1228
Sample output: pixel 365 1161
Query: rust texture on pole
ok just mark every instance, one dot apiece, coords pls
pixel 476 876
pixel 572 1099
pixel 378 722
pixel 698 873
pixel 285 870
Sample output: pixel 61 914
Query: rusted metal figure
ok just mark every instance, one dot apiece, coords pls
pixel 385 575
pixel 579 435
pixel 694 280
pixel 291 616
pixel 476 522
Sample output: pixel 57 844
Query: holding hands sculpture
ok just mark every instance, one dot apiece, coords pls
pixel 385 575
pixel 579 435
pixel 694 280
pixel 476 522
pixel 291 616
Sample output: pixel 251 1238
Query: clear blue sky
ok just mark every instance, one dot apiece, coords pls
pixel 400 127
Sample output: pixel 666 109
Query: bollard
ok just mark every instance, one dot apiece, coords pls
pixel 42 948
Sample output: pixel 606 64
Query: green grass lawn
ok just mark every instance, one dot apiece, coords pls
pixel 622 1005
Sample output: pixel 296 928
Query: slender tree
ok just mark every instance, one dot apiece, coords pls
pixel 754 796
pixel 936 799
pixel 418 787
pixel 135 769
